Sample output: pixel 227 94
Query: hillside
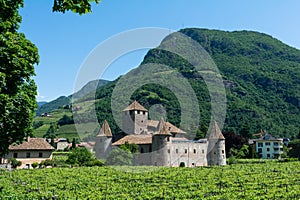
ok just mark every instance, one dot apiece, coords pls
pixel 88 88
pixel 46 107
pixel 52 105
pixel 261 76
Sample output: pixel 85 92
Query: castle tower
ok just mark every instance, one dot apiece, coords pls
pixel 134 119
pixel 216 146
pixel 161 143
pixel 103 141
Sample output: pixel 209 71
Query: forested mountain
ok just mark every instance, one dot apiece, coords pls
pixel 45 107
pixel 88 88
pixel 52 105
pixel 261 76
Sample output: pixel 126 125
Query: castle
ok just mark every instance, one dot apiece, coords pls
pixel 161 143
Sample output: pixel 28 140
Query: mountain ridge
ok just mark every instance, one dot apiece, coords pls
pixel 260 73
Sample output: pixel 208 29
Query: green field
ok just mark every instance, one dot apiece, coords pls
pixel 66 131
pixel 270 180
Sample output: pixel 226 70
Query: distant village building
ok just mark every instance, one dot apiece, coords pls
pixel 61 143
pixel 268 146
pixel 161 143
pixel 30 151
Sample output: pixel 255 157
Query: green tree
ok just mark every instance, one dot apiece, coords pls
pixel 133 148
pixel 17 59
pixel 73 143
pixel 240 153
pixel 65 120
pixel 201 131
pixel 77 6
pixel 34 165
pixel 14 162
pixel 245 131
pixel 17 88
pixel 79 156
pixel 294 151
pixel 120 157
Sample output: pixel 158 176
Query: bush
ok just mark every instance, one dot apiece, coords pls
pixel 46 163
pixel 79 156
pixel 119 157
pixel 34 165
pixel 231 160
pixel 14 163
pixel 94 162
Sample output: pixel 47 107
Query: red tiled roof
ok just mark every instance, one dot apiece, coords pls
pixel 32 144
pixel 135 106
pixel 171 127
pixel 135 139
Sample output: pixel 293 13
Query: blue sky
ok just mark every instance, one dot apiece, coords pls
pixel 65 40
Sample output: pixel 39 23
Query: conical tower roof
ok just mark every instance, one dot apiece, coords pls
pixel 105 130
pixel 135 106
pixel 215 132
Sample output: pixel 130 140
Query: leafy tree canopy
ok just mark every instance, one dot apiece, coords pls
pixel 17 88
pixel 76 6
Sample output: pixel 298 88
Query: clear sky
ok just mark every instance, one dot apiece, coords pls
pixel 65 40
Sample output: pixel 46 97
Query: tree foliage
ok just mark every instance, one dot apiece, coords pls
pixel 17 88
pixel 80 156
pixel 119 157
pixel 14 162
pixel 133 148
pixel 76 6
pixel 294 149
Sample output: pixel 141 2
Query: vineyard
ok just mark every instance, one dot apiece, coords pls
pixel 270 180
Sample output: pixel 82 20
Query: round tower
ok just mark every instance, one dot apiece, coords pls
pixel 134 119
pixel 161 146
pixel 103 141
pixel 216 146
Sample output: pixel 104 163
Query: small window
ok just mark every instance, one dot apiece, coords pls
pixel 260 144
pixel 176 150
pixel 168 139
pixel 15 155
pixel 168 150
pixel 222 151
pixel 268 149
pixel 268 155
pixel 185 151
pixel 276 143
pixel 40 154
pixel 27 155
pixel 202 151
pixel 268 143
pixel 259 150
pixel 214 152
pixel 194 150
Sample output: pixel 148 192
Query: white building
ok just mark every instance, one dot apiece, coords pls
pixel 268 146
